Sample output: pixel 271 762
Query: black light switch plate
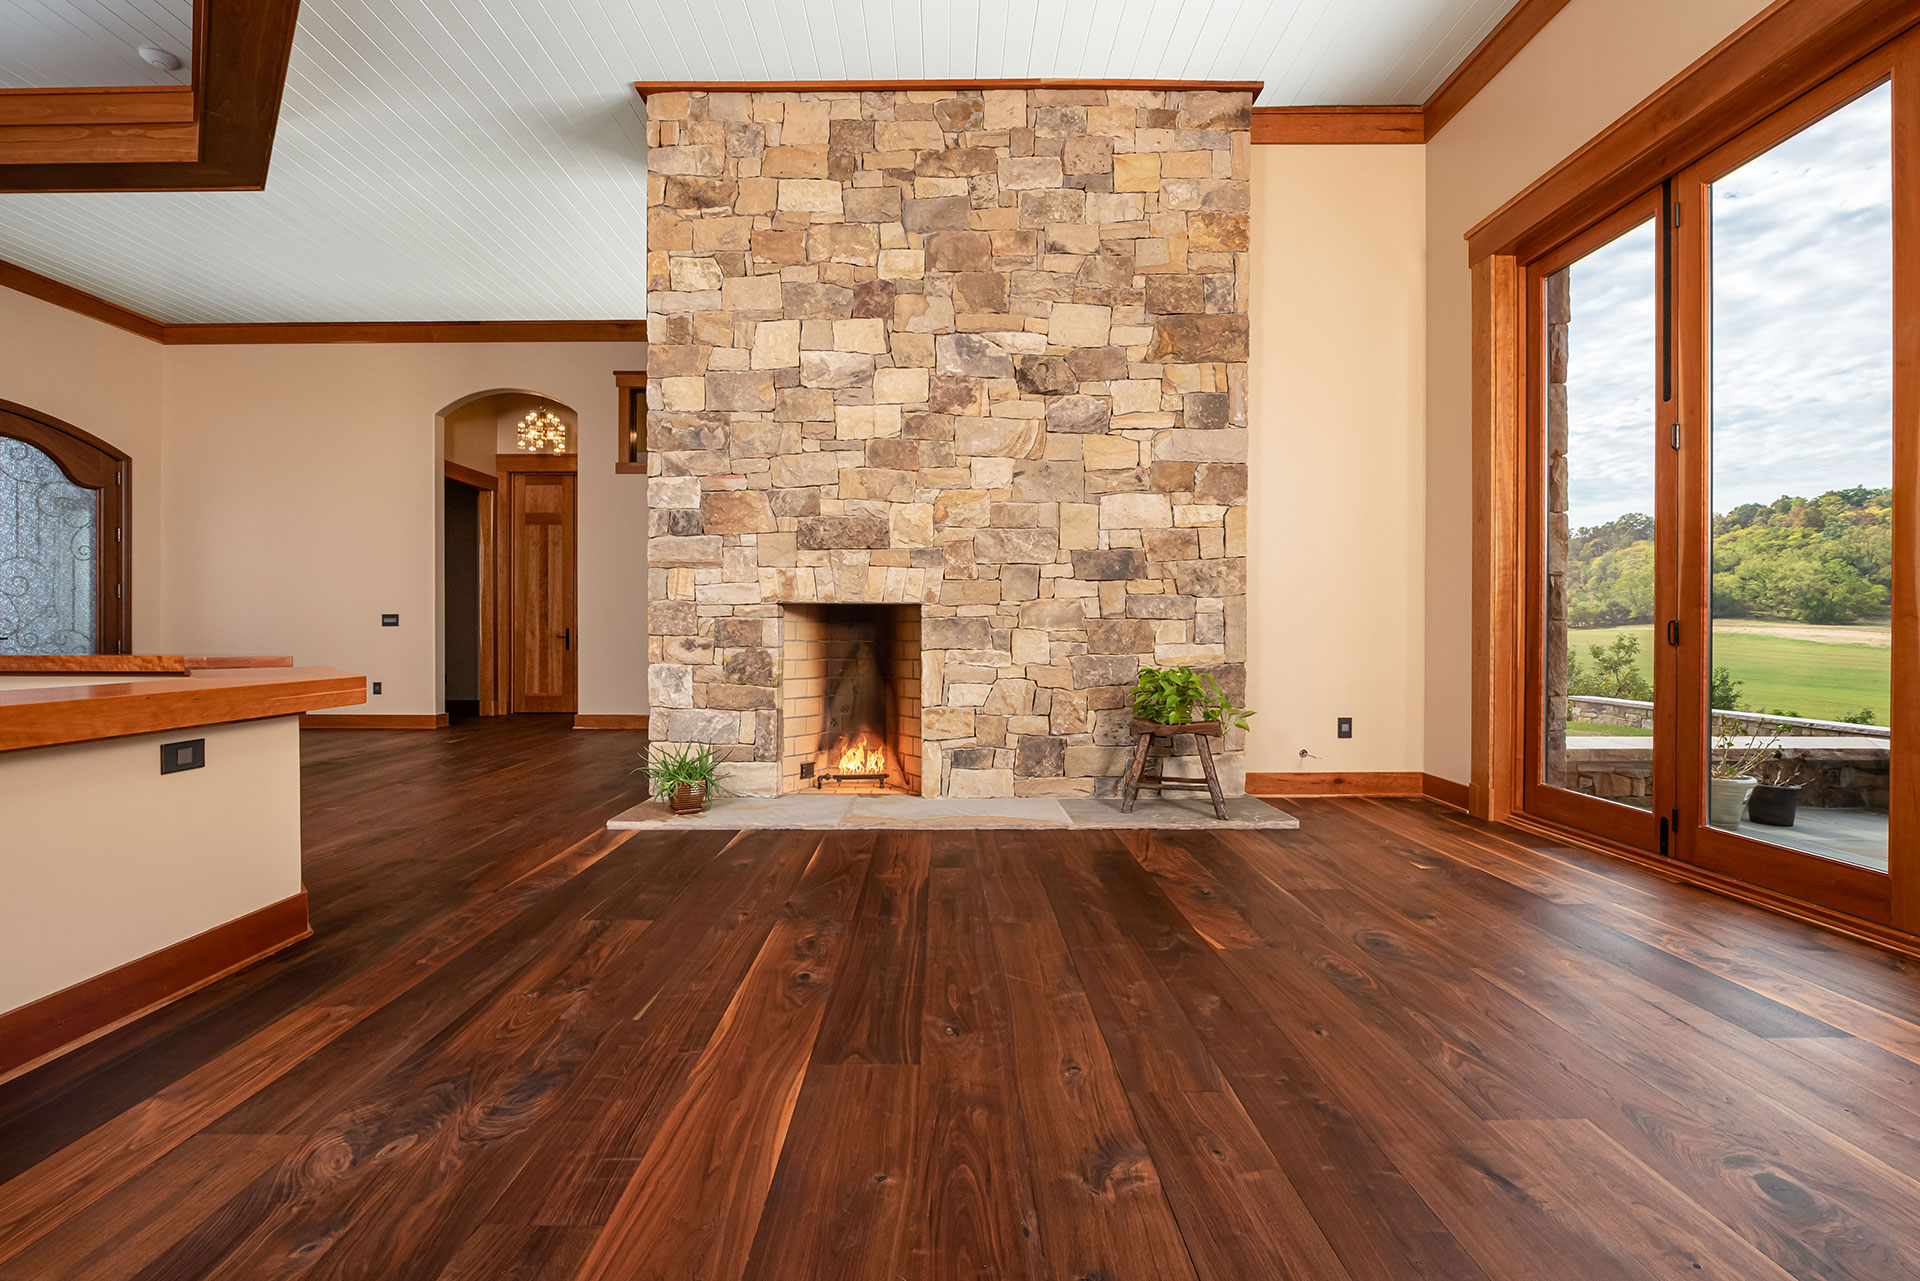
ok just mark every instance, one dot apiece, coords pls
pixel 389 620
pixel 190 754
pixel 1345 726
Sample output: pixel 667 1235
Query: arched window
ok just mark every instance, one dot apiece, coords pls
pixel 65 503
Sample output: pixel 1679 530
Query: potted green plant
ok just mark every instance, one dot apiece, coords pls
pixel 1775 799
pixel 1734 774
pixel 687 775
pixel 1181 696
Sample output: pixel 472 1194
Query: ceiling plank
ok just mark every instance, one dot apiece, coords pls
pixel 1334 125
pixel 116 105
pixel 240 70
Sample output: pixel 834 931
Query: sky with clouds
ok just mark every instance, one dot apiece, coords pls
pixel 1802 330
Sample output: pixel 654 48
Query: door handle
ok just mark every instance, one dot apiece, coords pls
pixel 567 637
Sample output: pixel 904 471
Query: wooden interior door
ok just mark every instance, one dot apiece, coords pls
pixel 543 671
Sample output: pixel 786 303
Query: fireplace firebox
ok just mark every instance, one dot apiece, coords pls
pixel 850 698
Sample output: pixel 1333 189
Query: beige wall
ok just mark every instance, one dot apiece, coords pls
pixel 1337 411
pixel 1590 65
pixel 303 485
pixel 159 858
pixel 104 381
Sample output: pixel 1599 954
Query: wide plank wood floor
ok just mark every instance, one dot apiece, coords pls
pixel 1395 1043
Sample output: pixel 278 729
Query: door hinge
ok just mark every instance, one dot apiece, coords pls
pixel 1676 213
pixel 116 591
pixel 1673 631
pixel 118 475
pixel 116 535
pixel 1676 435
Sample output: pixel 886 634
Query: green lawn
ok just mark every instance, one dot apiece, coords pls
pixel 1589 729
pixel 1804 677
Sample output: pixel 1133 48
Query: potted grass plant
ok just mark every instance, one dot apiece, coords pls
pixel 1735 773
pixel 686 775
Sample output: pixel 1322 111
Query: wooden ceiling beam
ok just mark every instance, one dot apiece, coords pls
pixel 241 48
pixel 117 105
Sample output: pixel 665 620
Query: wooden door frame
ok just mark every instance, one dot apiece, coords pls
pixel 1781 56
pixel 505 465
pixel 488 485
pixel 113 589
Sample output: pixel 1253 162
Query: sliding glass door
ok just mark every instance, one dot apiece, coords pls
pixel 1722 409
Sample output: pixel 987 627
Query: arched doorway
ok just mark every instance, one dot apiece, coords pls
pixel 508 522
pixel 65 538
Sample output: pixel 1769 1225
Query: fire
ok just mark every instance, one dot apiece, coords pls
pixel 863 757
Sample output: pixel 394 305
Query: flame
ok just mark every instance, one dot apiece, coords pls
pixel 862 758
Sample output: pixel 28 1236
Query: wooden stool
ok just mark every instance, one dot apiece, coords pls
pixel 1137 777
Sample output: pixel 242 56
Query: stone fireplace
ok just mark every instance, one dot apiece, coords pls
pixel 850 699
pixel 973 359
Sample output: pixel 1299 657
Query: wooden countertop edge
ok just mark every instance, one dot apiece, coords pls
pixel 57 714
pixel 142 664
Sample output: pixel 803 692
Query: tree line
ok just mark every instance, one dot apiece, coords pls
pixel 1822 560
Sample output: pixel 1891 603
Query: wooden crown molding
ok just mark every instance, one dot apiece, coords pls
pixel 47 289
pixel 118 139
pixel 381 331
pixel 1782 52
pixel 646 88
pixel 1298 126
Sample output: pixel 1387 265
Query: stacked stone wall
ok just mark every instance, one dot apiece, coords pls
pixel 981 351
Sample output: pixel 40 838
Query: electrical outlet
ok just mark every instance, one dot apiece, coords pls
pixel 1344 727
pixel 376 687
pixel 191 754
pixel 389 620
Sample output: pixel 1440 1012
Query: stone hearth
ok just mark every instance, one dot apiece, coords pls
pixel 983 353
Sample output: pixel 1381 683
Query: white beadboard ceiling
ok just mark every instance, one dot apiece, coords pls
pixel 49 44
pixel 484 159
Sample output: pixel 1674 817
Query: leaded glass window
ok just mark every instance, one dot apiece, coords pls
pixel 49 540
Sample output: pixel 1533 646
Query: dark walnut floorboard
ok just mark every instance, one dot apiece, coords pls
pixel 1397 1043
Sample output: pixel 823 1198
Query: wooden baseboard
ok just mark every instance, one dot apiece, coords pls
pixel 608 720
pixel 422 721
pixel 65 1020
pixel 1336 784
pixel 1444 790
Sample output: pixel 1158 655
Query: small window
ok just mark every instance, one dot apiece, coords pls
pixel 633 422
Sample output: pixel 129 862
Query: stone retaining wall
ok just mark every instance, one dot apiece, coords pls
pixel 1624 711
pixel 984 352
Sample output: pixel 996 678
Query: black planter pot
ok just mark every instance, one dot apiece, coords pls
pixel 1774 806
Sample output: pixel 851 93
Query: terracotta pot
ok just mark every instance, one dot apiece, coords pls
pixel 688 798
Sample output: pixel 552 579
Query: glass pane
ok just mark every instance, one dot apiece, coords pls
pixel 1802 397
pixel 1602 344
pixel 47 540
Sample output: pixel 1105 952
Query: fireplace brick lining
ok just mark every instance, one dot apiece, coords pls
pixel 983 353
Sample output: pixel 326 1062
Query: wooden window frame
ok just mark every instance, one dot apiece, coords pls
pixel 631 439
pixel 62 442
pixel 1784 55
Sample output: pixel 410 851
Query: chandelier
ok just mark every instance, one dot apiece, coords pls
pixel 541 430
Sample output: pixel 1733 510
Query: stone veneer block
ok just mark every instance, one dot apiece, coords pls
pixel 980 352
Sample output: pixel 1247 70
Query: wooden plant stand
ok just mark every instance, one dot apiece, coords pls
pixel 1137 777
